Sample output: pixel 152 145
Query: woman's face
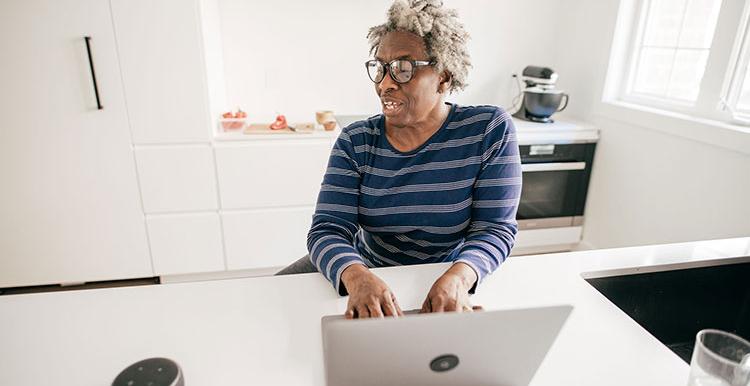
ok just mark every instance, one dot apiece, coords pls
pixel 411 103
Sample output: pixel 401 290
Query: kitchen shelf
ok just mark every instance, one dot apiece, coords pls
pixel 241 137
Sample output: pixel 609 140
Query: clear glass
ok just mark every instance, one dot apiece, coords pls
pixel 664 22
pixel 720 359
pixel 375 70
pixel 401 70
pixel 687 73
pixel 654 68
pixel 675 47
pixel 699 24
pixel 743 103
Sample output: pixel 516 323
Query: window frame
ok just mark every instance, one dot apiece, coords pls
pixel 632 69
pixel 727 49
pixel 737 72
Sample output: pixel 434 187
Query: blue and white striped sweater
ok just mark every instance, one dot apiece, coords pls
pixel 452 199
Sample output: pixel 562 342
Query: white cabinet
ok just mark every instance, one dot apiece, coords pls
pixel 69 203
pixel 266 237
pixel 273 173
pixel 186 243
pixel 177 178
pixel 268 193
pixel 85 190
pixel 164 76
pixel 163 70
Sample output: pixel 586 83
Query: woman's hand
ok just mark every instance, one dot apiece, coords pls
pixel 369 296
pixel 451 291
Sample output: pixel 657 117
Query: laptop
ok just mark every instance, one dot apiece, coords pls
pixel 493 348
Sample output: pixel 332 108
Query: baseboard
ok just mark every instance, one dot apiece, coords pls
pixel 220 275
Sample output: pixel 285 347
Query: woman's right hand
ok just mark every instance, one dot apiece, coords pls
pixel 369 296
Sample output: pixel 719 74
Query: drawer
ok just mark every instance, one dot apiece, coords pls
pixel 266 237
pixel 185 243
pixel 271 173
pixel 177 178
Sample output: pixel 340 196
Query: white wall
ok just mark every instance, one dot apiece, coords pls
pixel 297 56
pixel 647 186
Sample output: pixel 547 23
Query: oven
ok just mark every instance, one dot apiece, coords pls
pixel 555 184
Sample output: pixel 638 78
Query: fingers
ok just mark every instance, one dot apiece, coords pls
pixel 361 311
pixel 437 304
pixel 375 309
pixel 470 308
pixel 389 307
pixel 398 307
pixel 426 309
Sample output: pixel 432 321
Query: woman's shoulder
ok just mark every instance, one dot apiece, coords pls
pixel 471 110
pixel 369 126
pixel 479 116
pixel 360 132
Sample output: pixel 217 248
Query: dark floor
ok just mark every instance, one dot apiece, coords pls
pixel 79 287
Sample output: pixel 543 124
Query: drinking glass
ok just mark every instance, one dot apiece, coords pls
pixel 720 359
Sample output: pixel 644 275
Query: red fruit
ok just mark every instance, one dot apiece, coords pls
pixel 279 123
pixel 240 114
pixel 228 114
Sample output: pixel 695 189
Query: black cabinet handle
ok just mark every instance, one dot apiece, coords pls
pixel 93 73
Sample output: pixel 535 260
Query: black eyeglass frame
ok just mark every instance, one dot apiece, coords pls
pixel 414 63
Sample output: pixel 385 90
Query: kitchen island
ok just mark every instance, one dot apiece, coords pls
pixel 266 330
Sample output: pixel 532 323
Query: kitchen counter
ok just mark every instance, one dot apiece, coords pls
pixel 529 133
pixel 558 132
pixel 266 331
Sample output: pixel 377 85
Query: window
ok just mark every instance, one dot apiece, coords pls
pixel 736 98
pixel 686 56
pixel 675 41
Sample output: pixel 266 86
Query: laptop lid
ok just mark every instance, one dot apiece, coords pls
pixel 503 347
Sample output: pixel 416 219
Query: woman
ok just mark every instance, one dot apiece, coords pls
pixel 424 182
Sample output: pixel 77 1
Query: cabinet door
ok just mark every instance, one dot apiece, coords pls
pixel 160 47
pixel 267 174
pixel 186 243
pixel 264 238
pixel 69 203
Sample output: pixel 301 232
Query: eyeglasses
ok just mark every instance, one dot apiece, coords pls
pixel 401 70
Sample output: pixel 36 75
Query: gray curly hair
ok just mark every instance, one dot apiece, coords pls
pixel 444 36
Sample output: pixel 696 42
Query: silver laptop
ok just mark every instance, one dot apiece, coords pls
pixel 503 347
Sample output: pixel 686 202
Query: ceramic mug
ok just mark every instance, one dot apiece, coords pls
pixel 326 119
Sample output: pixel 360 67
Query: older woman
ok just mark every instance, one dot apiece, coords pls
pixel 425 181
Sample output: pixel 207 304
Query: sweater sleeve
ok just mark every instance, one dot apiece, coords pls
pixel 497 190
pixel 334 224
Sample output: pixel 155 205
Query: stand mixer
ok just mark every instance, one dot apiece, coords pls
pixel 540 99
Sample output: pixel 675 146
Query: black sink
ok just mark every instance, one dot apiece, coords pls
pixel 674 305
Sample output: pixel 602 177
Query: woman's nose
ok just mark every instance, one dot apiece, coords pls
pixel 387 83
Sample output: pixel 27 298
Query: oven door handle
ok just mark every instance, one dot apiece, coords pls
pixel 553 166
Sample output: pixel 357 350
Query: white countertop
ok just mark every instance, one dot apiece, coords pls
pixel 266 331
pixel 561 131
pixel 529 133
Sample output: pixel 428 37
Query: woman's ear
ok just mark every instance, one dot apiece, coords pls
pixel 445 81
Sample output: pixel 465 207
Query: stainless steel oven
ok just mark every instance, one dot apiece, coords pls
pixel 555 184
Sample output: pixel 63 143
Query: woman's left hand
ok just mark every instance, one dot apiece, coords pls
pixel 451 291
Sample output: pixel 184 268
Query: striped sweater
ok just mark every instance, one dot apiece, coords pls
pixel 452 199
